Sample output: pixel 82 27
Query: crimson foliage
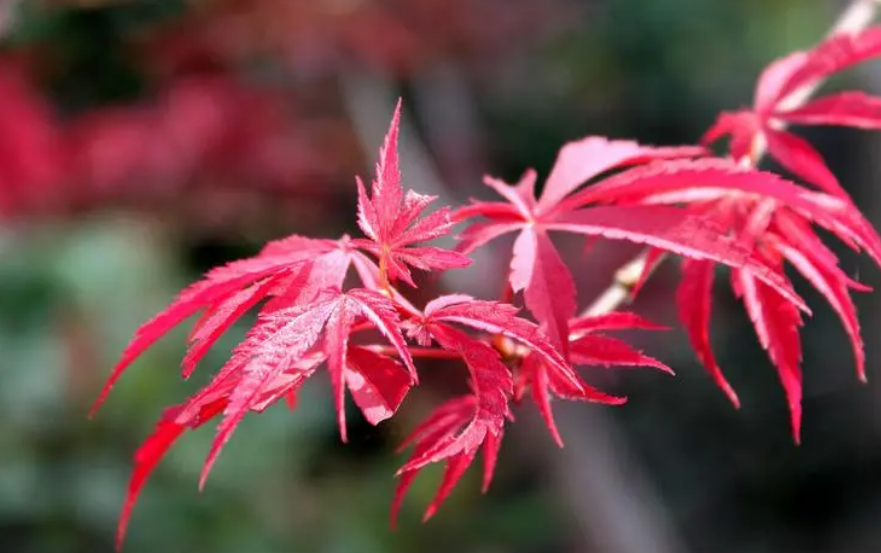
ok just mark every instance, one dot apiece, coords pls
pixel 709 210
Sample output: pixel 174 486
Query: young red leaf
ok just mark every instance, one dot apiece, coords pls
pixel 777 322
pixel 218 285
pixel 473 424
pixel 741 126
pixel 774 78
pixel 820 267
pixel 280 337
pixel 585 348
pixel 146 459
pixel 377 383
pixel 389 218
pixel 616 320
pixel 536 266
pixel 441 425
pixel 848 109
pixel 800 158
pixel 498 318
pixel 169 428
pixel 673 230
pixel 766 215
pixel 605 351
pixel 777 103
pixel 284 332
pixel 716 179
pixel 380 388
pixel 549 288
pixel 832 55
pixel 222 315
pixel 694 298
pixel 584 159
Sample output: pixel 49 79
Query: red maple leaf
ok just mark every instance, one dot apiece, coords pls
pixel 210 402
pixel 774 217
pixel 460 427
pixel 291 265
pixel 536 266
pixel 308 320
pixel 586 347
pixel 279 353
pixel 778 102
pixel 390 219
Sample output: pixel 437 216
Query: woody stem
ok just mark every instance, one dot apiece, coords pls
pixel 855 18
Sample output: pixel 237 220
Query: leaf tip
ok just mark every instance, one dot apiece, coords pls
pixel 429 513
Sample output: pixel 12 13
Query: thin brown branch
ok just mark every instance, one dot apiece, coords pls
pixel 855 18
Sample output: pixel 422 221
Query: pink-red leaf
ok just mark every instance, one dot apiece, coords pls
pixel 390 219
pixel 616 320
pixel 456 434
pixel 218 284
pixel 279 339
pixel 849 109
pixel 336 342
pixel 777 323
pixel 498 318
pixel 605 351
pixel 674 230
pixel 146 459
pixel 222 316
pixel 830 281
pixel 549 288
pixel 694 299
pixel 582 160
pixel 741 126
pixel 774 78
pixel 380 311
pixel 832 55
pixel 800 158
pixel 378 383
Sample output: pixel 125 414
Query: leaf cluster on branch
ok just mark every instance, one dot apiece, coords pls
pixel 708 210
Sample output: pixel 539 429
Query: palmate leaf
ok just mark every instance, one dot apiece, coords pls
pixel 773 217
pixel 295 266
pixel 586 347
pixel 536 266
pixel 459 428
pixel 772 109
pixel 204 406
pixel 218 287
pixel 276 357
pixel 499 319
pixel 390 219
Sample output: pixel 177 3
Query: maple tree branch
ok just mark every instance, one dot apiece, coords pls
pixel 858 15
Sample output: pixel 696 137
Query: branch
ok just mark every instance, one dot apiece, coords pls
pixel 854 19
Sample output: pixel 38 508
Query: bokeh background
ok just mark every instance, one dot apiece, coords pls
pixel 145 141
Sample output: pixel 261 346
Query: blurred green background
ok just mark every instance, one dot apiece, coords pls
pixel 143 142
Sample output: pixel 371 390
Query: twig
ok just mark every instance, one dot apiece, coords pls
pixel 856 17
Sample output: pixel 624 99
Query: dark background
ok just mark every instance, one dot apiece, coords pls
pixel 143 142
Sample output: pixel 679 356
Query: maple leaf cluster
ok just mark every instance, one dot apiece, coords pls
pixel 709 210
